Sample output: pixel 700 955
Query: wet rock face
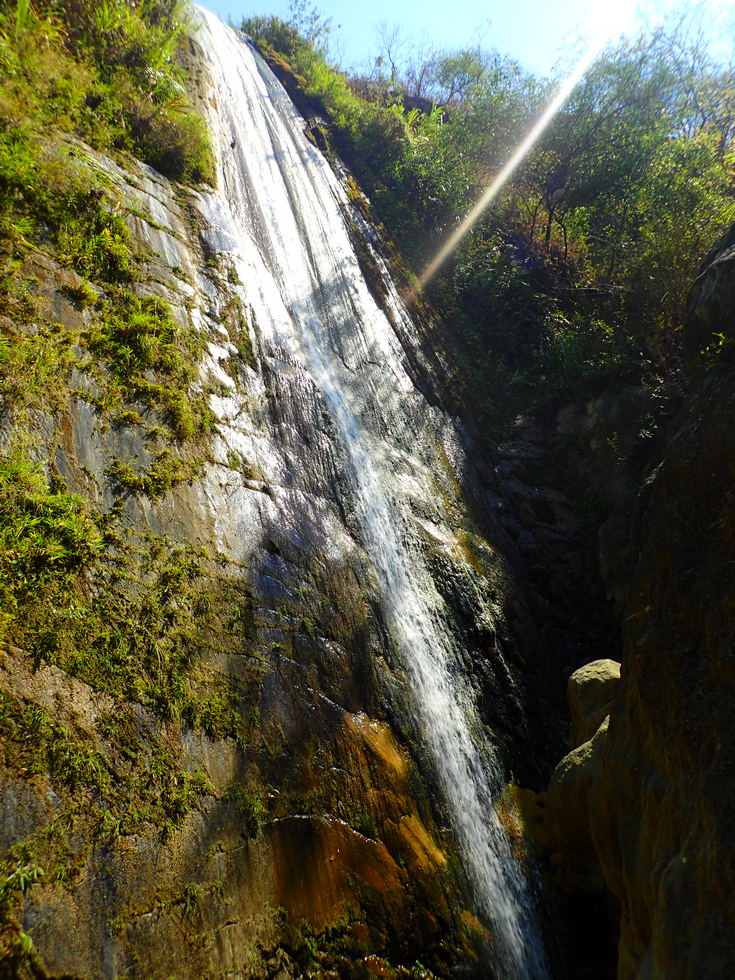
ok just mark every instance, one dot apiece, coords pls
pixel 282 820
pixel 166 846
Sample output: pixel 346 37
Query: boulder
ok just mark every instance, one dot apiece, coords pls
pixel 590 694
pixel 569 817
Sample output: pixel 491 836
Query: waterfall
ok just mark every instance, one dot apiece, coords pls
pixel 280 212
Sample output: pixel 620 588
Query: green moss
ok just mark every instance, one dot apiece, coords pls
pixel 34 366
pixel 249 800
pixel 103 790
pixel 137 338
pixel 47 748
pixel 141 620
pixel 47 194
pixel 140 358
pixel 166 471
pixel 83 293
pixel 233 317
pixel 337 951
pixel 177 145
pixel 53 197
pixel 248 470
pixel 131 787
pixel 18 881
pixel 48 538
pixel 133 348
pixel 133 616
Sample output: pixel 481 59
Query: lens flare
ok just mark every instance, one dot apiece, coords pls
pixel 602 34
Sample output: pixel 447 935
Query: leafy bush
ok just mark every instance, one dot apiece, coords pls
pixel 277 33
pixel 581 267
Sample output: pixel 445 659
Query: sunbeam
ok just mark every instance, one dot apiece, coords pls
pixel 602 34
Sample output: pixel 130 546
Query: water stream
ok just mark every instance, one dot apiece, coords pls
pixel 282 220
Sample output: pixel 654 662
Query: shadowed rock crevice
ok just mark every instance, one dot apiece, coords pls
pixel 645 805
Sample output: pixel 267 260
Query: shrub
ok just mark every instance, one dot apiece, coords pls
pixel 108 74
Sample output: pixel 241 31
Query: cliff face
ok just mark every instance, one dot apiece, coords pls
pixel 648 802
pixel 195 782
pixel 664 801
pixel 210 751
pixel 210 758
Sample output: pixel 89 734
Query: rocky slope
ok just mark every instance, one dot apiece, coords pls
pixel 208 750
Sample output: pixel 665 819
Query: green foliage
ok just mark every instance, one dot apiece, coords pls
pixel 177 144
pixel 47 539
pixel 83 293
pixel 131 787
pixel 166 470
pixel 49 749
pixel 279 34
pixel 19 880
pixel 129 617
pixel 103 70
pixel 133 616
pixel 31 364
pixel 77 588
pixel 249 802
pixel 138 355
pixel 16 945
pixel 137 336
pixel 339 951
pixel 47 194
pixel 580 269
pixel 306 30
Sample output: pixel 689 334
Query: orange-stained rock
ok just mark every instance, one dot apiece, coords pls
pixel 316 861
pixel 426 853
pixel 379 738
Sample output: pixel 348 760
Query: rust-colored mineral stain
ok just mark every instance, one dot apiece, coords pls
pixel 318 862
pixel 379 738
pixel 426 853
pixel 472 924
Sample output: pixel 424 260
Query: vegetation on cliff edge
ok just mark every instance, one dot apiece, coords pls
pixel 581 267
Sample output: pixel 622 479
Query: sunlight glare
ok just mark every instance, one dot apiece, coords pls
pixel 601 27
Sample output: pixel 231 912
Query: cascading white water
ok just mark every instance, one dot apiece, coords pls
pixel 281 220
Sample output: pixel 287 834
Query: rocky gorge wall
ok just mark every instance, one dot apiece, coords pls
pixel 208 746
pixel 641 808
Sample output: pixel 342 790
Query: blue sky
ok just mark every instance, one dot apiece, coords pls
pixel 536 32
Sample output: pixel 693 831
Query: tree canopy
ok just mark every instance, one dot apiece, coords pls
pixel 582 264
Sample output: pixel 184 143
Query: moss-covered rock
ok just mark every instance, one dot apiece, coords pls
pixel 200 769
